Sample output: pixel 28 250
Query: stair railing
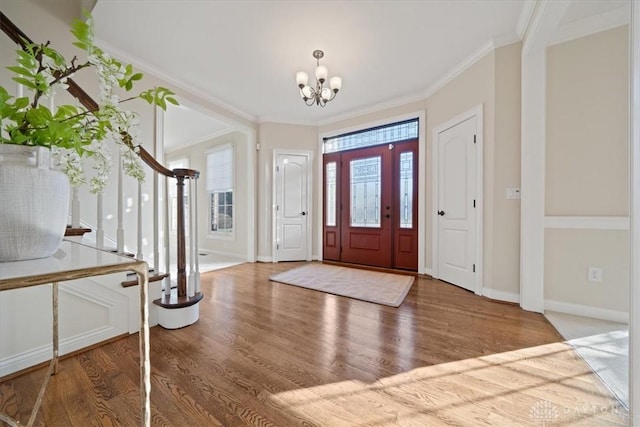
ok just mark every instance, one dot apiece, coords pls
pixel 183 295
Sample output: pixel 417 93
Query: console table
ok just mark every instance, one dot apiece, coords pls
pixel 75 261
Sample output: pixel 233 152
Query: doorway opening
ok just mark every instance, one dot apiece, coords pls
pixel 370 197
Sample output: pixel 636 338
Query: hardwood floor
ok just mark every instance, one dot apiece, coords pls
pixel 269 354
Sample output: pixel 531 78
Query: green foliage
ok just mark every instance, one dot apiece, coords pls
pixel 41 70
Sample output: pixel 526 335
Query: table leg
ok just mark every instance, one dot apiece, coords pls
pixel 145 365
pixel 55 328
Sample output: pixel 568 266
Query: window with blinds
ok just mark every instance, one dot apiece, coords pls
pixel 220 185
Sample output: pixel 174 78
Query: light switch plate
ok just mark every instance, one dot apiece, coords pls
pixel 513 193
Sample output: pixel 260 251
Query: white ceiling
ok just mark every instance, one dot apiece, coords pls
pixel 243 55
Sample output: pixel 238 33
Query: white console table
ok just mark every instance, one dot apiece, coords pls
pixel 76 261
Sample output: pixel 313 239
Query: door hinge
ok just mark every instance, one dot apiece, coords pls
pixel 341 249
pixel 474 268
pixel 474 139
pixel 277 208
pixel 278 248
pixel 474 203
pixel 277 168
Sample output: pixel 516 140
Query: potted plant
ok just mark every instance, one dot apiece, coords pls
pixel 33 197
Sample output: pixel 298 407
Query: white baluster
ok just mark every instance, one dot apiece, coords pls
pixel 167 252
pixel 195 236
pixel 99 223
pixel 75 208
pixel 139 254
pixel 156 193
pixel 120 230
pixel 192 247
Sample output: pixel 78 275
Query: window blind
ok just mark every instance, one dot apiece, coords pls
pixel 220 169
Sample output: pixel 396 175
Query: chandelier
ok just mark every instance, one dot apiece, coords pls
pixel 319 94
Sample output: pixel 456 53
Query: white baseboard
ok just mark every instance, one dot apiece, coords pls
pixel 264 259
pixel 41 354
pixel 428 271
pixel 242 257
pixel 587 311
pixel 501 295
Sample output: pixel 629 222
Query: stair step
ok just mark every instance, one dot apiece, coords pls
pixel 174 301
pixel 152 278
pixel 76 231
pixel 128 254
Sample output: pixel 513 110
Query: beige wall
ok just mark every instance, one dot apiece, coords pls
pixel 273 136
pixel 473 87
pixel 569 254
pixel 587 157
pixel 196 155
pixel 506 171
pixel 587 125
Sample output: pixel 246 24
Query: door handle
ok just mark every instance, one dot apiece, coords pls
pixel 441 213
pixel 303 213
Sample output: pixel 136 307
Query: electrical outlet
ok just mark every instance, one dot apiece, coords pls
pixel 595 274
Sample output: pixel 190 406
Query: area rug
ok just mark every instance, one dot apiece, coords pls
pixel 372 286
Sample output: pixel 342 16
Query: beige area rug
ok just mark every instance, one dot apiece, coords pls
pixel 380 288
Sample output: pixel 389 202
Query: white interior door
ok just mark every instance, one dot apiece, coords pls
pixel 292 207
pixel 456 204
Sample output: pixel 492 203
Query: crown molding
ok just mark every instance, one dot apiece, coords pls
pixel 591 25
pixel 200 140
pixel 397 102
pixel 143 66
pixel 460 68
pixel 525 18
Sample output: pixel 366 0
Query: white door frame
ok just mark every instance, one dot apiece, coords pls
pixel 634 132
pixel 474 113
pixel 274 196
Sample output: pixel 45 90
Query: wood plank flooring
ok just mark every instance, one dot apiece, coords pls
pixel 270 354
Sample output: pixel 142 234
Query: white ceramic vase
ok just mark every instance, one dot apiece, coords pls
pixel 34 203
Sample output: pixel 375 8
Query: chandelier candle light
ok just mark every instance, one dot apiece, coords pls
pixel 319 95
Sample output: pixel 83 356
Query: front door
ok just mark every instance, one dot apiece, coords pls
pixel 456 204
pixel 367 206
pixel 292 210
pixel 370 206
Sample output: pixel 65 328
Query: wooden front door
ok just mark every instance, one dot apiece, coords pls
pixel 370 206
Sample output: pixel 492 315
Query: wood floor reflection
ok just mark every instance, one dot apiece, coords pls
pixel 270 354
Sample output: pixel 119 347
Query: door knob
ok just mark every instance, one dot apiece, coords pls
pixel 303 213
pixel 441 213
pixel 387 216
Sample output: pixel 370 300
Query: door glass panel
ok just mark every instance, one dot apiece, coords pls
pixel 330 189
pixel 406 190
pixel 365 192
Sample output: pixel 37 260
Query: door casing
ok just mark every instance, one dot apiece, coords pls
pixel 474 113
pixel 422 183
pixel 309 200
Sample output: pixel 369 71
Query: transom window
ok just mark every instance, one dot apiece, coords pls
pixel 385 134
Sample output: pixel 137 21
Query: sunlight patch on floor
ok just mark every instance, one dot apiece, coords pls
pixel 534 386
